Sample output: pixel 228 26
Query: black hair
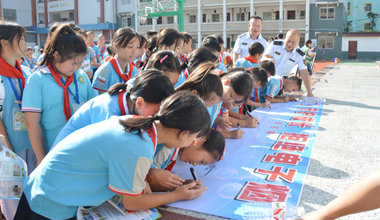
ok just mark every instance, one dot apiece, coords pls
pixel 268 66
pixel 308 42
pixel 219 38
pixel 52 29
pixel 210 42
pixel 152 85
pixel 183 110
pixel 170 63
pixel 256 17
pixel 280 35
pixel 110 50
pixel 255 48
pixel 259 74
pixel 11 31
pixel 123 36
pixel 187 37
pixel 151 44
pixel 142 41
pixel 240 80
pixel 204 81
pixel 296 80
pixel 66 42
pixel 199 56
pixel 271 38
pixel 168 37
pixel 215 144
pixel 150 33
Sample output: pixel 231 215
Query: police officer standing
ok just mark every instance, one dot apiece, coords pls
pixel 286 54
pixel 246 39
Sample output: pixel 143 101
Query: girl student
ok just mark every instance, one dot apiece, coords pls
pixel 114 157
pixel 119 69
pixel 109 54
pixel 151 45
pixel 150 88
pixel 170 39
pixel 167 62
pixel 57 90
pixel 12 83
pixel 89 60
pixel 101 40
pixel 205 152
pixel 137 60
pixel 199 56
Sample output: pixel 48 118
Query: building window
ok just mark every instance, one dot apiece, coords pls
pixel 124 22
pixel 71 16
pixel 170 19
pixel 368 7
pixel 240 16
pixel 98 20
pixel 192 19
pixel 348 8
pixel 215 17
pixel 56 17
pixel 326 12
pixel 291 15
pixel 149 21
pixel 302 14
pixel 267 15
pixel 10 14
pixel 367 27
pixel 327 40
pixel 123 2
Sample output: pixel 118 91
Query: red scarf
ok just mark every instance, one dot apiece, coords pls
pixel 66 98
pixel 186 73
pixel 10 71
pixel 173 162
pixel 251 59
pixel 116 67
pixel 102 50
pixel 107 59
pixel 182 58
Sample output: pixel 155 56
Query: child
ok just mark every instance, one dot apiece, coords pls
pixel 101 40
pixel 89 60
pixel 186 47
pixel 210 151
pixel 119 69
pixel 114 157
pixel 137 60
pixel 29 59
pixel 150 89
pixel 210 42
pixel 199 56
pixel 57 90
pixel 151 45
pixel 167 62
pixel 12 82
pixel 50 34
pixel 260 80
pixel 90 41
pixel 256 51
pixel 169 39
pixel 221 44
pixel 109 54
pixel 276 85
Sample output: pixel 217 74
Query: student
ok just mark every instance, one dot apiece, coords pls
pixel 12 83
pixel 169 39
pixel 167 62
pixel 221 44
pixel 137 60
pixel 186 50
pixel 29 59
pixel 199 56
pixel 114 157
pixel 101 40
pixel 109 54
pixel 210 151
pixel 119 69
pixel 150 89
pixel 255 51
pixel 89 60
pixel 277 84
pixel 260 80
pixel 150 34
pixel 151 45
pixel 90 41
pixel 57 90
pixel 211 42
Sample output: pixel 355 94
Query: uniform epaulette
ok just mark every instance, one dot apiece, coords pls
pixel 278 42
pixel 300 52
pixel 242 35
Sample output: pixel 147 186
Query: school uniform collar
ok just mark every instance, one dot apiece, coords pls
pixel 121 70
pixel 154 139
pixel 45 70
pixel 122 99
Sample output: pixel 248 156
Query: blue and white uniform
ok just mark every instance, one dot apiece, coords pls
pixel 243 62
pixel 97 53
pixel 213 111
pixel 182 77
pixel 244 41
pixel 90 166
pixel 222 67
pixel 165 158
pixel 274 86
pixel 285 61
pixel 96 110
pixel 43 95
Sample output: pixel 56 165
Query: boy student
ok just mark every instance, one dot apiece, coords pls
pixel 90 41
pixel 211 42
pixel 276 85
pixel 255 51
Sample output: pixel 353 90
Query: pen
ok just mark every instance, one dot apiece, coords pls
pixel 246 108
pixel 193 173
pixel 269 107
pixel 238 126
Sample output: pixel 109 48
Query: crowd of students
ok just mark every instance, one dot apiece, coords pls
pixel 162 102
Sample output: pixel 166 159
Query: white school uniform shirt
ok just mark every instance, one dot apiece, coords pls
pixel 244 41
pixel 285 60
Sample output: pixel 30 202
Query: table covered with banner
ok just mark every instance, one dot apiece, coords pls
pixel 268 164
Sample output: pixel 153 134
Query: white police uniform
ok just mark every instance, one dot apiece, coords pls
pixel 244 41
pixel 285 60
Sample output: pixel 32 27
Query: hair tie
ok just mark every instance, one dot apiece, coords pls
pixel 162 60
pixel 156 118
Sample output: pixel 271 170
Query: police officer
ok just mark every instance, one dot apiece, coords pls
pixel 246 39
pixel 286 54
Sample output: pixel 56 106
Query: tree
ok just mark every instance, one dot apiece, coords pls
pixel 373 17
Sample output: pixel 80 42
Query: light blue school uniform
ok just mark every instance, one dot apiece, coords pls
pixel 165 158
pixel 106 76
pixel 242 62
pixel 102 51
pixel 222 67
pixel 96 110
pixel 30 62
pixel 274 86
pixel 40 58
pixel 90 166
pixel 105 55
pixel 182 77
pixel 213 111
pixel 43 95
pixel 97 53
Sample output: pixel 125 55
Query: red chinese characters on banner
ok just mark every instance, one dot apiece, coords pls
pixel 271 132
pixel 283 158
pixel 294 137
pixel 256 192
pixel 301 118
pixel 288 146
pixel 312 114
pixel 276 174
pixel 309 109
pixel 300 124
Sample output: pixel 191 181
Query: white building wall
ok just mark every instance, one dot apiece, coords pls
pixel 23 9
pixel 88 11
pixel 365 44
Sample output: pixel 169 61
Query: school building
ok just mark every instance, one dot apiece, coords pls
pixel 230 18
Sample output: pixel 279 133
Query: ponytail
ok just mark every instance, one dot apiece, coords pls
pixel 215 144
pixel 199 56
pixel 240 80
pixel 116 88
pixel 166 61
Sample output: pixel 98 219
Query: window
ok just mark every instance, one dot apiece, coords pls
pixel 98 20
pixel 326 12
pixel 192 19
pixel 71 16
pixel 367 7
pixel 240 16
pixel 56 17
pixel 291 15
pixel 123 2
pixel 148 21
pixel 10 14
pixel 124 22
pixel 302 14
pixel 327 40
pixel 348 8
pixel 170 19
pixel 215 17
pixel 267 15
pixel 203 17
pixel 367 27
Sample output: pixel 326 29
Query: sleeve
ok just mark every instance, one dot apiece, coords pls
pixel 270 50
pixel 238 63
pixel 96 50
pixel 91 52
pixel 101 79
pixel 222 67
pixel 237 48
pixel 272 90
pixel 302 63
pixel 32 96
pixel 90 91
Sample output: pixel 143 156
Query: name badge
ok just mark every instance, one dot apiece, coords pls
pixel 19 123
pixel 292 60
pixel 278 53
pixel 244 43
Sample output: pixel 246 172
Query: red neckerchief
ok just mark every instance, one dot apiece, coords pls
pixel 66 98
pixel 182 58
pixel 251 59
pixel 116 67
pixel 186 73
pixel 92 45
pixel 173 162
pixel 151 131
pixel 220 58
pixel 11 71
pixel 121 102
pixel 102 50
pixel 107 59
